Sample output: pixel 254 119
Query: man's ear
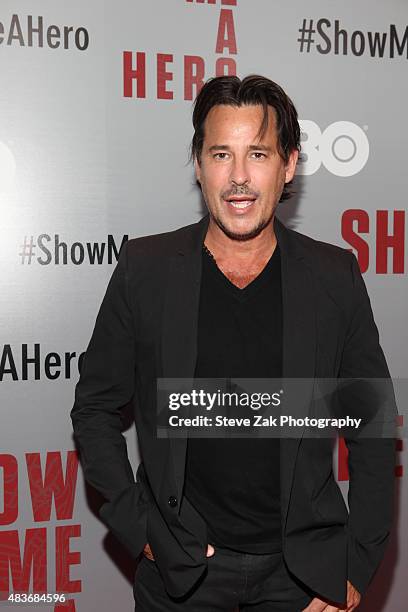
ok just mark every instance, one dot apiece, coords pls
pixel 291 165
pixel 197 169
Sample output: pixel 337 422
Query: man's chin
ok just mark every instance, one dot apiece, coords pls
pixel 242 236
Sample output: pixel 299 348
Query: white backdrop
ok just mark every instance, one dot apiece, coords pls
pixel 92 153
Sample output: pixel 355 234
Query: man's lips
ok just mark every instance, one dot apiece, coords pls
pixel 242 198
pixel 240 202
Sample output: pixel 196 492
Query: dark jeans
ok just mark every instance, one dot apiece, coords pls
pixel 234 581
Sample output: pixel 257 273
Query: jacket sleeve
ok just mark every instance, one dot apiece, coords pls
pixel 371 460
pixel 106 385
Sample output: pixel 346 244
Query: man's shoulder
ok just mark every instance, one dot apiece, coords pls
pixel 332 267
pixel 162 244
pixel 322 254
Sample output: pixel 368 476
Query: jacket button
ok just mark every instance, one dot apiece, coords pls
pixel 172 501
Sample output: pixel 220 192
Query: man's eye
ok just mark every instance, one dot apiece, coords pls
pixel 258 155
pixel 221 156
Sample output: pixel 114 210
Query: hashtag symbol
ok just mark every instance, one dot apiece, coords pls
pixel 306 37
pixel 27 249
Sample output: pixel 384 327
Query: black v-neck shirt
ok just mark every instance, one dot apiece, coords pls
pixel 234 482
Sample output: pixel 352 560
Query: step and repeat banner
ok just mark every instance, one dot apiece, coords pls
pixel 95 125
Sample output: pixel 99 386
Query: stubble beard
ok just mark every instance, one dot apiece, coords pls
pixel 242 237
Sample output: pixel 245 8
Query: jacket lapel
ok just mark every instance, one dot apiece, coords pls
pixel 299 349
pixel 180 323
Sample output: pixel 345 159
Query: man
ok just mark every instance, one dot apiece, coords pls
pixel 258 524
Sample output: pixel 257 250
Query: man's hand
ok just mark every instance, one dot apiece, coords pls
pixel 147 551
pixel 319 605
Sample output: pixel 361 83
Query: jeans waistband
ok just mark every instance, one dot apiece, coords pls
pixel 240 553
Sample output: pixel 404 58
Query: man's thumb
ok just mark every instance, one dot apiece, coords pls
pixel 210 550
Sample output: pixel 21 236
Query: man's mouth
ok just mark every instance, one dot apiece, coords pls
pixel 240 203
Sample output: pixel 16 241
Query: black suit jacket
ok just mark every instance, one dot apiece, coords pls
pixel 147 328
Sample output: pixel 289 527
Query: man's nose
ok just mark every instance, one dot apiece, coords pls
pixel 239 172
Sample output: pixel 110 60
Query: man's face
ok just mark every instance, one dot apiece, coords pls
pixel 242 177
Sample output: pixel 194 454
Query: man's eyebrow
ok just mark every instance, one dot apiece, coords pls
pixel 217 147
pixel 259 147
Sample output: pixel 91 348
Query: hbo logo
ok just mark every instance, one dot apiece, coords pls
pixel 342 148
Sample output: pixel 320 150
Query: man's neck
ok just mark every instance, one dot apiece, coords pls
pixel 240 260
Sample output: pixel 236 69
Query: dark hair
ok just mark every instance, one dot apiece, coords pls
pixel 253 89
